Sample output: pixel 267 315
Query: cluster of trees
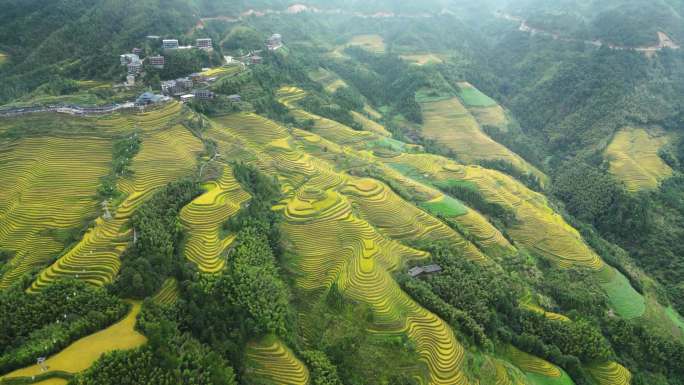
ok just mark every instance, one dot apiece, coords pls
pixel 528 179
pixel 169 357
pixel 123 152
pixel 468 192
pixel 647 224
pixel 36 325
pixel 329 109
pixel 569 116
pixel 652 354
pixel 482 303
pixel 201 338
pixel 386 80
pixel 59 86
pixel 220 104
pixel 244 302
pixel 244 39
pixel 637 24
pixel 154 254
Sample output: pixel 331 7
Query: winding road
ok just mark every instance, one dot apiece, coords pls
pixel 66 109
pixel 664 41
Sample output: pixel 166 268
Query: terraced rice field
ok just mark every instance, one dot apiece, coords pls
pixel 83 353
pixel 495 371
pixel 528 304
pixel 41 195
pixel 203 219
pixel 538 371
pixel 165 156
pixel 328 79
pixel 493 116
pixel 370 125
pixel 395 218
pixel 422 59
pixel 622 297
pixel 221 71
pixel 329 129
pixel 52 381
pixel 446 206
pixel 372 43
pixel 271 362
pixel 3 58
pixel 633 158
pixel 355 248
pixel 489 238
pixel 610 373
pixel 168 294
pixel 360 221
pixel 472 97
pixel 539 228
pixel 485 235
pixel 352 254
pixel 373 113
pixel 532 364
pixel 449 123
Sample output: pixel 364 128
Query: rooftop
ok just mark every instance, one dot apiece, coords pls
pixel 418 270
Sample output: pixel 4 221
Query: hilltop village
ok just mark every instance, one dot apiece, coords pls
pixel 193 86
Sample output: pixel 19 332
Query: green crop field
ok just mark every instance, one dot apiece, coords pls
pixel 626 301
pixel 675 317
pixel 446 206
pixel 472 97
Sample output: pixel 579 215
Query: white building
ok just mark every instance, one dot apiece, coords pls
pixel 274 42
pixel 176 87
pixel 186 98
pixel 170 44
pixel 128 58
pixel 204 43
pixel 134 68
pixel 203 94
pixel 157 61
pixel 130 80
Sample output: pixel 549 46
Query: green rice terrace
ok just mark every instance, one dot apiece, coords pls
pixel 338 193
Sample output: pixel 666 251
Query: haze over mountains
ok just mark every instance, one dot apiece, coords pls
pixel 342 192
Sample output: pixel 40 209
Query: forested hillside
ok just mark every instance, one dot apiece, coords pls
pixel 633 23
pixel 401 193
pixel 79 39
